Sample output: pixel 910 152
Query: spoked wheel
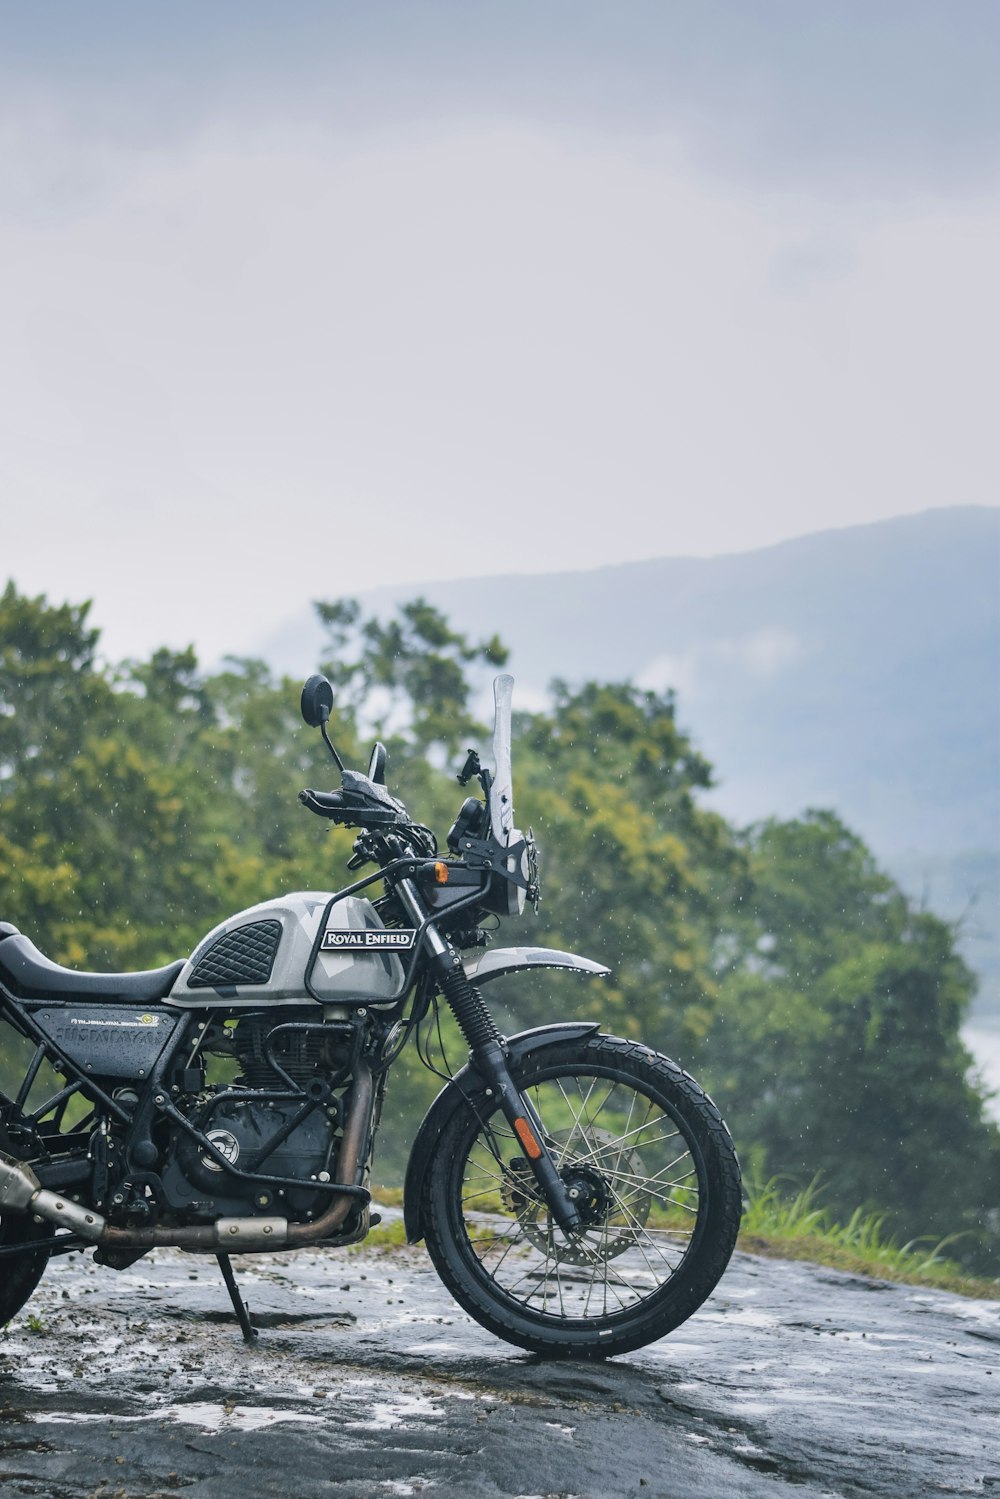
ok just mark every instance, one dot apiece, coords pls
pixel 20 1273
pixel 651 1167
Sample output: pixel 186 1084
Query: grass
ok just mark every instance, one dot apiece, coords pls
pixel 796 1226
pixel 382 1236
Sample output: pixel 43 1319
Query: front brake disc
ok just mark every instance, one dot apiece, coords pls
pixel 613 1208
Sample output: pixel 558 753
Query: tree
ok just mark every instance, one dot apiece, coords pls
pixel 48 682
pixel 632 866
pixel 135 812
pixel 140 804
pixel 410 672
pixel 837 1048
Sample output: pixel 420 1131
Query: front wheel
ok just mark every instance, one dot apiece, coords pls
pixel 652 1169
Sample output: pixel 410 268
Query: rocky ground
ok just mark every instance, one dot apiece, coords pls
pixel 367 1380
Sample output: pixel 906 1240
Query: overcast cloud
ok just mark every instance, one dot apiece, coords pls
pixel 299 300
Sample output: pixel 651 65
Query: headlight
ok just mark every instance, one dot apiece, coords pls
pixel 517 863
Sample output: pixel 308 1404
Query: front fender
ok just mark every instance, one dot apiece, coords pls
pixel 491 964
pixel 450 1100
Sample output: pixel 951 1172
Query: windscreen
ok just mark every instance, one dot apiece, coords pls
pixel 501 791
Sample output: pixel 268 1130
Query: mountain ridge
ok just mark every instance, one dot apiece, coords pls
pixel 812 670
pixel 855 668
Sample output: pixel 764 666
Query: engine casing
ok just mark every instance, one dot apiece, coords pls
pixel 241 1129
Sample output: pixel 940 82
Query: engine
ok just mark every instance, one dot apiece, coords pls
pixel 279 1118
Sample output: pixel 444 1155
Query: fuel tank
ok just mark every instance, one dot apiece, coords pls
pixel 304 948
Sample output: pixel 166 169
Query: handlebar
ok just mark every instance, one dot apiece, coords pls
pixel 360 803
pixel 323 803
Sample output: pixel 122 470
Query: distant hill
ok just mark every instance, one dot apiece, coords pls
pixel 857 669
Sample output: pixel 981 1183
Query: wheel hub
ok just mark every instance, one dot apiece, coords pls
pixel 610 1219
pixel 588 1193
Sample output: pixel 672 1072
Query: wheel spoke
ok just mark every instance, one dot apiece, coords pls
pixel 635 1142
pixel 625 1154
pixel 639 1229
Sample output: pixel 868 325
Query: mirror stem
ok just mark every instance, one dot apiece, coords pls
pixel 329 745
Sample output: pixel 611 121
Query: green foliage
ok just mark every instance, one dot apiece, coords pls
pixel 837 1040
pixel 411 670
pixel 143 804
pixel 799 1225
pixel 631 866
pixel 140 804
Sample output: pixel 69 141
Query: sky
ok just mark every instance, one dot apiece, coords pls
pixel 301 299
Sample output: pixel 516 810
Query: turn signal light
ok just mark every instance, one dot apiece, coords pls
pixel 440 873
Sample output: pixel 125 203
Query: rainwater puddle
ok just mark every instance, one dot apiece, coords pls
pixel 433 1345
pixel 985 1313
pixel 207 1416
pixel 678 1352
pixel 386 1415
pixel 740 1316
pixel 414 1319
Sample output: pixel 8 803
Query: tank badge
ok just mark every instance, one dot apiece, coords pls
pixel 368 939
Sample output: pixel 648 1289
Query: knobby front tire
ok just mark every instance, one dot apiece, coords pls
pixel 650 1159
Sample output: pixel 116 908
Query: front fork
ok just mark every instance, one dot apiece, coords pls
pixel 489 1059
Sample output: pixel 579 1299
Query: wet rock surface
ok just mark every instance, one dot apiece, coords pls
pixel 368 1380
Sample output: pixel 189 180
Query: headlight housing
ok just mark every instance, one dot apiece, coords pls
pixel 509 895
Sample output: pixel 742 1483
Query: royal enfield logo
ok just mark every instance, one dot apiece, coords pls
pixel 227 1145
pixel 367 940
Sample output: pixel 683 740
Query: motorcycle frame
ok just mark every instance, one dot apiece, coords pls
pixel 188 1025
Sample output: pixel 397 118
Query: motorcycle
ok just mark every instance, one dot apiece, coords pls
pixel 579 1194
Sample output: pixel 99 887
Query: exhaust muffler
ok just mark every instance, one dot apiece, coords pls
pixel 21 1191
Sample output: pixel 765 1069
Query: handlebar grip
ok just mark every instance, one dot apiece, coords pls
pixel 323 803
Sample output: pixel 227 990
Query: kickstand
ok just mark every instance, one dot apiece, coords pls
pixel 239 1306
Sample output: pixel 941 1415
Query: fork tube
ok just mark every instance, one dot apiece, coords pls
pixel 486 1048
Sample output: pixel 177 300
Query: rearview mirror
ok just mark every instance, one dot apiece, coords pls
pixel 316 701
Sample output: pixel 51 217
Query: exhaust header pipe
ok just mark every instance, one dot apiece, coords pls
pixel 21 1191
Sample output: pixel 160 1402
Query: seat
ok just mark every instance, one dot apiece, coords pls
pixel 31 975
